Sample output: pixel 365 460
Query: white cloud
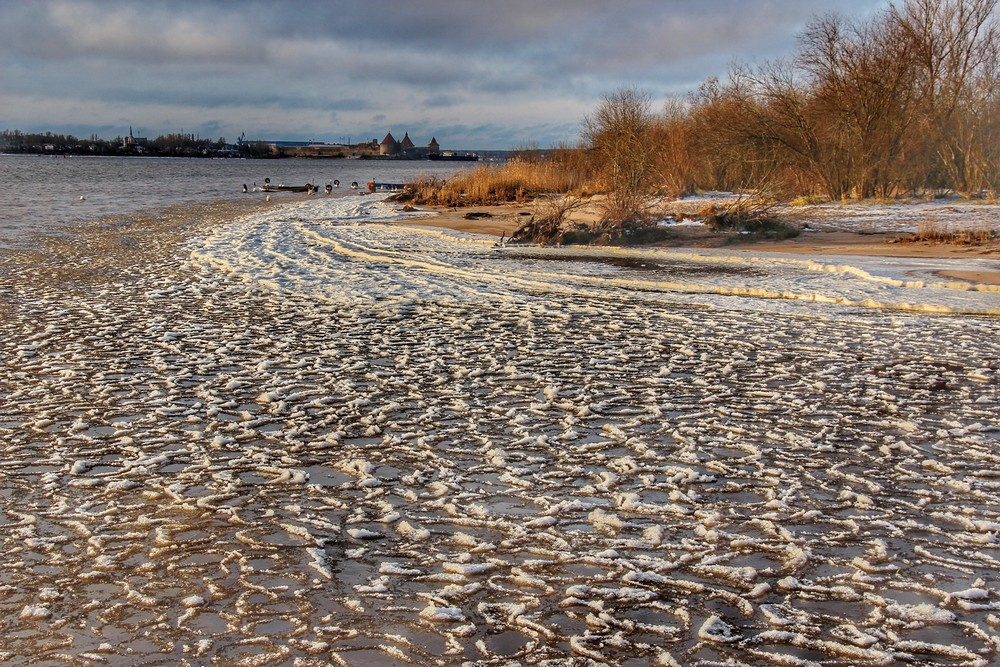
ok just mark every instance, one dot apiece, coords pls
pixel 504 68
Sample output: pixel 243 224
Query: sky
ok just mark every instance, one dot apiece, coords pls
pixel 475 74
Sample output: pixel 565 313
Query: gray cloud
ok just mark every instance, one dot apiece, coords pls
pixel 490 74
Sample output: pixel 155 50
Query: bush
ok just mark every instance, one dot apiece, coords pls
pixel 547 224
pixel 621 134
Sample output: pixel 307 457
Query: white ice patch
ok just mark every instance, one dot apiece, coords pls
pixel 330 250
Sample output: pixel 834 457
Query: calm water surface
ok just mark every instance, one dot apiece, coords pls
pixel 43 193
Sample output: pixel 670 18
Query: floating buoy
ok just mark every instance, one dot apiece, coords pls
pixel 354 184
pixel 245 188
pixel 329 188
pixel 82 198
pixel 336 182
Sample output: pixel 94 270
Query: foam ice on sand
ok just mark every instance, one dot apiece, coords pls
pixel 311 436
pixel 329 248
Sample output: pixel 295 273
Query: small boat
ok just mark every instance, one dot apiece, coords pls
pixel 449 156
pixel 267 187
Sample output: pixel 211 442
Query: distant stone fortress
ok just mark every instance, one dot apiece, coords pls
pixel 388 149
pixel 405 149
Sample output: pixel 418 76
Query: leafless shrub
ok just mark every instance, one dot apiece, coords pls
pixel 753 205
pixel 620 136
pixel 548 222
pixel 903 102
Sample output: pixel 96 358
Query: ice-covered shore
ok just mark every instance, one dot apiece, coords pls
pixel 329 250
pixel 311 438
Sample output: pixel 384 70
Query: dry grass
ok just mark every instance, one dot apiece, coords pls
pixel 518 180
pixel 808 200
pixel 931 231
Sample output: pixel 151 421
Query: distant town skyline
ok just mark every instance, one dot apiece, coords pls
pixel 501 75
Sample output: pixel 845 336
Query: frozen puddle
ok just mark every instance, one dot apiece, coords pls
pixel 324 442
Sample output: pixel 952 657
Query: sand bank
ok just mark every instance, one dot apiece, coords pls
pixel 506 219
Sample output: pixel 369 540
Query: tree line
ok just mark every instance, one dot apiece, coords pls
pixel 907 102
pixel 172 144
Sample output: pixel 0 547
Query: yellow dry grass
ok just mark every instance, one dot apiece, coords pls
pixel 518 180
pixel 934 232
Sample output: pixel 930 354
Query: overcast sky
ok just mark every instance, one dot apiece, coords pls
pixel 486 74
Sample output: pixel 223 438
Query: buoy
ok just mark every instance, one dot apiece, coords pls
pixel 267 198
pixel 328 188
pixel 82 198
pixel 336 183
pixel 245 188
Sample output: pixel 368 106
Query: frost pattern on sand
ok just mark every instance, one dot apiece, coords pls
pixel 207 468
pixel 328 249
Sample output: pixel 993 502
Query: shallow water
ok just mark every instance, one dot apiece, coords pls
pixel 42 194
pixel 309 437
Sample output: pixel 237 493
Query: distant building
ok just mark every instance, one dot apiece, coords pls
pixel 389 146
pixel 131 141
pixel 406 149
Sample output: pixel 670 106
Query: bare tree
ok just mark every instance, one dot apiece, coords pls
pixel 619 134
pixel 955 44
pixel 905 101
pixel 675 161
pixel 862 84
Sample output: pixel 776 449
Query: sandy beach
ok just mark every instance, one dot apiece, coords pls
pixel 722 388
pixel 316 433
pixel 506 219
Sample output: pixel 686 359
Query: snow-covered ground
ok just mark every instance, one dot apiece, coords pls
pixel 948 214
pixel 319 439
pixel 330 250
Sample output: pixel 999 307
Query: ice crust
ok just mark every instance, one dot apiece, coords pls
pixel 319 255
pixel 313 438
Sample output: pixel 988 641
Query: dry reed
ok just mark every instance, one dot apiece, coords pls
pixel 518 180
pixel 931 231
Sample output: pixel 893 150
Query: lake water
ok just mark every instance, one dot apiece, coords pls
pixel 42 193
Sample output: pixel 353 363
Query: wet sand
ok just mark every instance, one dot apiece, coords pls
pixel 203 469
pixel 506 219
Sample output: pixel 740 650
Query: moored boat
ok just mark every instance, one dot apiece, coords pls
pixel 287 188
pixel 456 157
